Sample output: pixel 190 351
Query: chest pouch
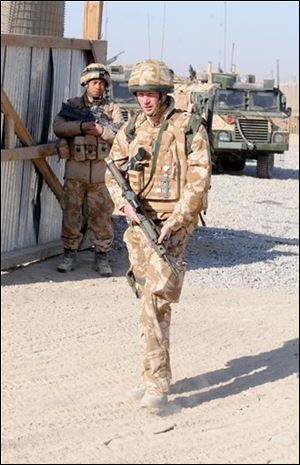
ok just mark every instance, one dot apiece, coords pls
pixel 63 149
pixel 79 148
pixel 136 180
pixel 102 150
pixel 90 147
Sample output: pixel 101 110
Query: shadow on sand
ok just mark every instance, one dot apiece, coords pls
pixel 238 375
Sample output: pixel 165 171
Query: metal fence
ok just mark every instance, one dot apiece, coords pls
pixel 37 74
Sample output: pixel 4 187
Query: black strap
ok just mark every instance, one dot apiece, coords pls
pixel 130 129
pixel 192 127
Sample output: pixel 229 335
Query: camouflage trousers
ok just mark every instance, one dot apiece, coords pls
pixel 99 208
pixel 159 288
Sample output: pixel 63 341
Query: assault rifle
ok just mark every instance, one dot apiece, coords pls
pixel 87 114
pixel 147 225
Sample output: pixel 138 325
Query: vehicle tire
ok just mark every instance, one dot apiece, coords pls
pixel 217 167
pixel 264 167
pixel 234 165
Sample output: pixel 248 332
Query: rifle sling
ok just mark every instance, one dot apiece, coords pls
pixel 155 147
pixel 193 126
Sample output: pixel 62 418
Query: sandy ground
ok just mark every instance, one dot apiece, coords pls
pixel 70 352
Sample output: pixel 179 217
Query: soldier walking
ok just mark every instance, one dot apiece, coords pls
pixel 171 183
pixel 85 145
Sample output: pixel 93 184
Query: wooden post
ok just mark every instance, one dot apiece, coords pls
pixel 9 132
pixel 26 138
pixel 92 20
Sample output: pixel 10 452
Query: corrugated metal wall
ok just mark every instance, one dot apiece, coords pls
pixel 36 81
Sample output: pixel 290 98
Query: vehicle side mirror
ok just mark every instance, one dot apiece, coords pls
pixel 289 111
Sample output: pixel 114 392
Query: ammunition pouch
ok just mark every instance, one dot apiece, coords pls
pixel 79 149
pixel 63 149
pixel 136 180
pixel 132 283
pixel 90 143
pixel 102 150
pixel 89 147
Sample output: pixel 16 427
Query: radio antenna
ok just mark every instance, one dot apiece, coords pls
pixel 163 32
pixel 148 28
pixel 225 33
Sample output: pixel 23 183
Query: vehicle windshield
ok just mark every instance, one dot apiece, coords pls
pixel 266 101
pixel 120 92
pixel 229 99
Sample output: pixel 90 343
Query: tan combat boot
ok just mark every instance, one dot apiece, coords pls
pixel 154 400
pixel 136 393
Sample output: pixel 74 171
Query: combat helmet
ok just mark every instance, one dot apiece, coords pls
pixel 151 76
pixel 95 71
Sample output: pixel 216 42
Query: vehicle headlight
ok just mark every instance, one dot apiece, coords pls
pixel 278 138
pixel 224 136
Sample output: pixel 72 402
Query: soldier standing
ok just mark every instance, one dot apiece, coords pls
pixel 85 145
pixel 171 183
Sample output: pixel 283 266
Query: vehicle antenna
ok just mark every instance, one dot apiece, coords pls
pixel 163 32
pixel 232 53
pixel 149 42
pixel 225 33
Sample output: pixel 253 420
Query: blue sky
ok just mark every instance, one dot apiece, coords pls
pixel 257 34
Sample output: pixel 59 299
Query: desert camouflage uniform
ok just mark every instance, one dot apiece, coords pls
pixel 174 197
pixel 87 179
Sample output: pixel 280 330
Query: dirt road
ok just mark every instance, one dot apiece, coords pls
pixel 70 345
pixel 70 353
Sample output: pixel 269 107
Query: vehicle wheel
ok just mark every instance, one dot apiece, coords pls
pixel 264 167
pixel 234 165
pixel 217 167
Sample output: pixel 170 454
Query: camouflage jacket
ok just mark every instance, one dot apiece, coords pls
pixel 175 191
pixel 94 170
pixel 64 128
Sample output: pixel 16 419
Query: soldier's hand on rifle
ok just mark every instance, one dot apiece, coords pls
pixel 131 214
pixel 165 234
pixel 92 128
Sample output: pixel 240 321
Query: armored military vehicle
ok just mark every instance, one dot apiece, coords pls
pixel 250 121
pixel 119 89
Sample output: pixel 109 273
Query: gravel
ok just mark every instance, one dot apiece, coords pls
pixel 251 237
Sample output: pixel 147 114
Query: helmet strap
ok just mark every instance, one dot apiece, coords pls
pixel 95 99
pixel 160 105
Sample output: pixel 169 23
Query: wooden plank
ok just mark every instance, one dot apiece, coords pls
pixel 99 51
pixel 21 131
pixel 92 20
pixel 26 138
pixel 9 132
pixel 29 254
pixel 50 178
pixel 20 40
pixel 38 252
pixel 29 153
